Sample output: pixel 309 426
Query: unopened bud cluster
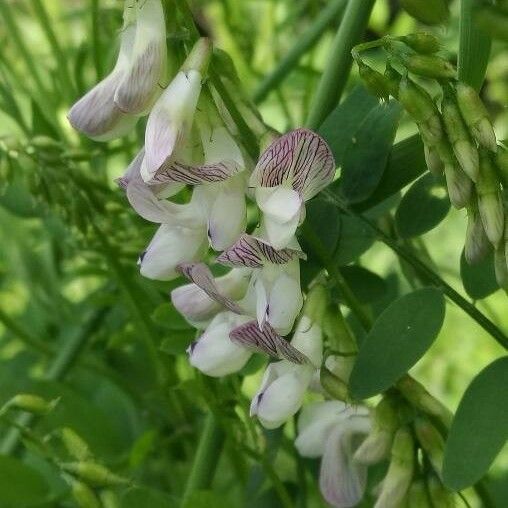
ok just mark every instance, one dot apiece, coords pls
pixel 458 137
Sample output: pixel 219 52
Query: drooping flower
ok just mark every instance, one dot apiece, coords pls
pixel 333 431
pixel 214 353
pixel 284 383
pixel 292 170
pixel 113 106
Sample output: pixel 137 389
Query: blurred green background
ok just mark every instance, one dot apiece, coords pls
pixel 69 244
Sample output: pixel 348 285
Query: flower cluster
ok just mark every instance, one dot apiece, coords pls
pixel 194 179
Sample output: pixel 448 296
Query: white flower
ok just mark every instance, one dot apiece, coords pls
pixel 214 353
pixel 292 170
pixel 112 107
pixel 330 430
pixel 171 118
pixel 284 383
pixel 274 295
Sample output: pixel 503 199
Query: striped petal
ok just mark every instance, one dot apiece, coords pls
pixel 200 274
pixel 253 252
pixel 301 159
pixel 175 171
pixel 133 171
pixel 266 341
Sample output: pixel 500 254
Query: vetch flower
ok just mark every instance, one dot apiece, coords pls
pixel 284 383
pixel 170 121
pixel 275 284
pixel 332 430
pixel 112 107
pixel 292 170
pixel 214 353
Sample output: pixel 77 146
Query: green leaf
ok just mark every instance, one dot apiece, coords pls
pixel 398 339
pixel 206 499
pixel 168 317
pixel 41 125
pixel 479 280
pixel 324 219
pixel 355 238
pixel 366 285
pixel 422 208
pixel 367 152
pixel 142 496
pixel 345 119
pixel 479 429
pixel 177 342
pixel 21 486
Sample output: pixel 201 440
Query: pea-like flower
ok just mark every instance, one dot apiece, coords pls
pixel 113 106
pixel 331 430
pixel 292 170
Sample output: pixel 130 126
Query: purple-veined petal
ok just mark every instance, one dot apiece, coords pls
pixel 174 171
pixel 267 341
pixel 300 158
pixel 140 83
pixel 200 274
pixel 253 252
pixel 342 481
pixel 171 246
pixel 133 171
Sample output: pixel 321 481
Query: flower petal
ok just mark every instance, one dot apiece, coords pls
pixel 140 83
pixel 266 341
pixel 213 353
pixel 254 253
pixel 200 274
pixel 300 158
pixel 133 170
pixel 170 246
pixel 175 171
pixel 342 481
pixel 308 338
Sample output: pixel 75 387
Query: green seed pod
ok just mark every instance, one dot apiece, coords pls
pixel 417 495
pixel 374 81
pixel 492 21
pixel 422 42
pixel 75 445
pixel 393 79
pixel 502 166
pixel 463 147
pixel 490 203
pixel 431 442
pixel 84 495
pixel 333 385
pixel 32 403
pixel 430 12
pixel 429 66
pixel 434 163
pixel 477 245
pixel 94 474
pixel 400 472
pixel 475 115
pixel 440 496
pixel 500 266
pixel 378 443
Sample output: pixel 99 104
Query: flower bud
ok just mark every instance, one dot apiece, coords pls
pixel 377 444
pixel 316 303
pixel 400 472
pixel 417 495
pixel 84 495
pixel 31 403
pixel 439 495
pixel 500 266
pixel 431 442
pixel 477 245
pixel 459 186
pixel 422 42
pixel 490 203
pixel 75 445
pixel 430 12
pixel 434 163
pixel 333 385
pixel 199 57
pixel 502 166
pixel 393 80
pixel 475 115
pixel 429 66
pixel 458 135
pixel 93 474
pixel 375 82
pixel 45 143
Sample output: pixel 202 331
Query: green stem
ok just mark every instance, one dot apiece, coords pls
pixel 304 43
pixel 334 78
pixel 474 47
pixel 57 370
pixel 205 460
pixel 428 274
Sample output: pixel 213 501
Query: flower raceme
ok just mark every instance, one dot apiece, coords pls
pixel 112 107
